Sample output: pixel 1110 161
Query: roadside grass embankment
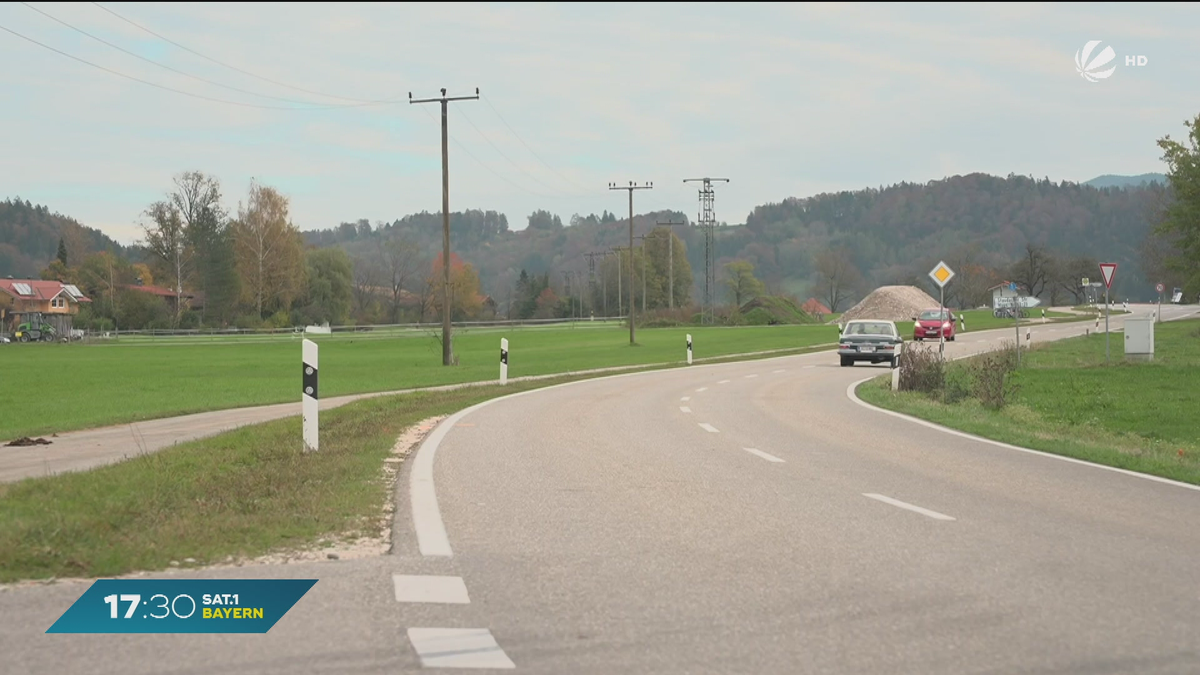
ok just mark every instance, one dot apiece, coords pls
pixel 54 388
pixel 1063 399
pixel 241 494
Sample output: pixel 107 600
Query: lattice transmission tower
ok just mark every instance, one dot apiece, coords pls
pixel 708 222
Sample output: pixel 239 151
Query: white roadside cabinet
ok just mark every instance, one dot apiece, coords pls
pixel 1139 339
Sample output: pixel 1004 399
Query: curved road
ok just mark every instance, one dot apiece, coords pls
pixel 734 518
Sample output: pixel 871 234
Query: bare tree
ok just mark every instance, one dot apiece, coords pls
pixel 366 278
pixel 195 194
pixel 399 257
pixel 837 276
pixel 1032 271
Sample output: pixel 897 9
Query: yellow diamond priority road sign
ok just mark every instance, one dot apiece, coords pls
pixel 941 274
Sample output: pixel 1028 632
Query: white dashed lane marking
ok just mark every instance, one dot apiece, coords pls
pixel 685 398
pixel 764 455
pixel 418 588
pixel 750 376
pixel 781 370
pixel 708 427
pixel 684 409
pixel 701 389
pixel 903 505
pixel 723 382
pixel 458 648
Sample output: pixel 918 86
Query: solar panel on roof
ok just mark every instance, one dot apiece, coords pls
pixel 73 290
pixel 23 289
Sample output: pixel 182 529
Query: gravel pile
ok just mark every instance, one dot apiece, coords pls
pixel 891 303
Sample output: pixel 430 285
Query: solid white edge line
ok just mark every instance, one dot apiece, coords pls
pixel 767 456
pixel 909 507
pixel 961 434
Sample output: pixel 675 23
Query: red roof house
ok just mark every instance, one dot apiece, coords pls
pixel 815 306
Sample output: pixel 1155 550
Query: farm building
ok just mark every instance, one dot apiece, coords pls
pixel 55 301
pixel 815 308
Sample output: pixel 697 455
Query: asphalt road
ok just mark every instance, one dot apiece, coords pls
pixel 734 518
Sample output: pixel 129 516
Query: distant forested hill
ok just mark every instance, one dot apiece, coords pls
pixel 29 237
pixel 1109 180
pixel 895 234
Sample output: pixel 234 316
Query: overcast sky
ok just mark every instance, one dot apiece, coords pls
pixel 782 99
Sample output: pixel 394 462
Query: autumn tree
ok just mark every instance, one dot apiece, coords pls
pixel 465 298
pixel 547 304
pixel 837 276
pixel 662 262
pixel 743 286
pixel 269 250
pixel 167 241
pixel 187 235
pixel 1181 222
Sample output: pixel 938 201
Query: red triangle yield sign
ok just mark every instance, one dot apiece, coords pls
pixel 1108 270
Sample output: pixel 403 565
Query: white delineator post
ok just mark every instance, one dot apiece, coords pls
pixel 689 349
pixel 896 370
pixel 309 396
pixel 503 360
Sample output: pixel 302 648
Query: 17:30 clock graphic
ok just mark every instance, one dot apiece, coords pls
pixel 182 605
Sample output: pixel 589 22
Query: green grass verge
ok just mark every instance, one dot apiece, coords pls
pixel 243 493
pixel 1136 416
pixel 53 388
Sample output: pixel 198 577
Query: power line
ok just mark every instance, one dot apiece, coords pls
pixel 531 151
pixel 235 68
pixel 481 163
pixel 147 82
pixel 517 166
pixel 180 72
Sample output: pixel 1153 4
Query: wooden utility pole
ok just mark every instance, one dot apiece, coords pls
pixel 631 187
pixel 447 354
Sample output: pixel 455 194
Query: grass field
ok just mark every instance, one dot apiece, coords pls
pixel 1137 416
pixel 242 493
pixel 51 388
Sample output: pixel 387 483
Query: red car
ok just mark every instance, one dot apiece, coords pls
pixel 933 323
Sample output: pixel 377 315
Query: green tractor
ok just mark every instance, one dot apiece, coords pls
pixel 34 329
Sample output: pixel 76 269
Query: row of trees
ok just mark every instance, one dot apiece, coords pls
pixel 249 269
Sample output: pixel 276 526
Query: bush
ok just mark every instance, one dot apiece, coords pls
pixel 990 376
pixel 921 369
